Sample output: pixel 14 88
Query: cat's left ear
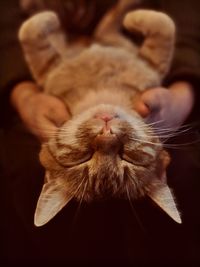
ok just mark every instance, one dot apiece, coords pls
pixel 53 198
pixel 163 197
pixel 161 194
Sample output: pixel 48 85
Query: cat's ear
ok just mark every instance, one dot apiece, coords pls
pixel 159 33
pixel 163 197
pixel 161 194
pixel 53 198
pixel 43 43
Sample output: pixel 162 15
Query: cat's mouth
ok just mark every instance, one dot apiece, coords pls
pixel 111 140
pixel 106 136
pixel 107 142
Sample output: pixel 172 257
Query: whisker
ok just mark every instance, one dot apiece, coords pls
pixel 154 126
pixel 164 135
pixel 181 145
pixel 178 133
pixel 155 122
pixel 146 142
pixel 84 190
pixel 183 130
pixel 188 126
pixel 79 205
pixel 134 211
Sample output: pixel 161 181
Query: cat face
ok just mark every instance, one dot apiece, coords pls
pixel 109 151
pixel 103 152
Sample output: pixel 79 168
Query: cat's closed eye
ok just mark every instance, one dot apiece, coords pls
pixel 139 157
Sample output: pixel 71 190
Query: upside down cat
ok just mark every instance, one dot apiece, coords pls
pixel 106 149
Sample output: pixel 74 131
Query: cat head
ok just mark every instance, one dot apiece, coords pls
pixel 103 152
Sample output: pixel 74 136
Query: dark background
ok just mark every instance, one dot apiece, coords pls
pixel 104 233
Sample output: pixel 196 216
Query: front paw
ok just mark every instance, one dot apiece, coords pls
pixel 39 27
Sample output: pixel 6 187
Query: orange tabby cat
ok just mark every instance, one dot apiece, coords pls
pixel 106 149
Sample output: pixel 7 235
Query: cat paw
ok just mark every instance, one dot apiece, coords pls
pixel 39 26
pixel 159 33
pixel 149 21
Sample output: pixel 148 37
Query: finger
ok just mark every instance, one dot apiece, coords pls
pixel 47 131
pixel 43 128
pixel 152 100
pixel 142 109
pixel 58 115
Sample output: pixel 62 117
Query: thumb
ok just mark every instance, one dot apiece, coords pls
pixel 51 121
pixel 153 98
pixel 142 108
pixel 58 114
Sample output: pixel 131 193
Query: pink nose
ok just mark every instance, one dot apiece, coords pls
pixel 104 116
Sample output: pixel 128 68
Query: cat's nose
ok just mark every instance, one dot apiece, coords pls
pixel 105 116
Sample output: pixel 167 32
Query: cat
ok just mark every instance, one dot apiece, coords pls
pixel 106 149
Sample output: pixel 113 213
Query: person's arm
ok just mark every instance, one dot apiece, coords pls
pixel 42 114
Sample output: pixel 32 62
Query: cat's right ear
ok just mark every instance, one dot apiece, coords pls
pixel 54 196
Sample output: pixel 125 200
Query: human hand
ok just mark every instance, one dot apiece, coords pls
pixel 169 108
pixel 42 114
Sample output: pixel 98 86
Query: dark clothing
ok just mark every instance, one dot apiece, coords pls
pixel 13 68
pixel 106 233
pixel 186 62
